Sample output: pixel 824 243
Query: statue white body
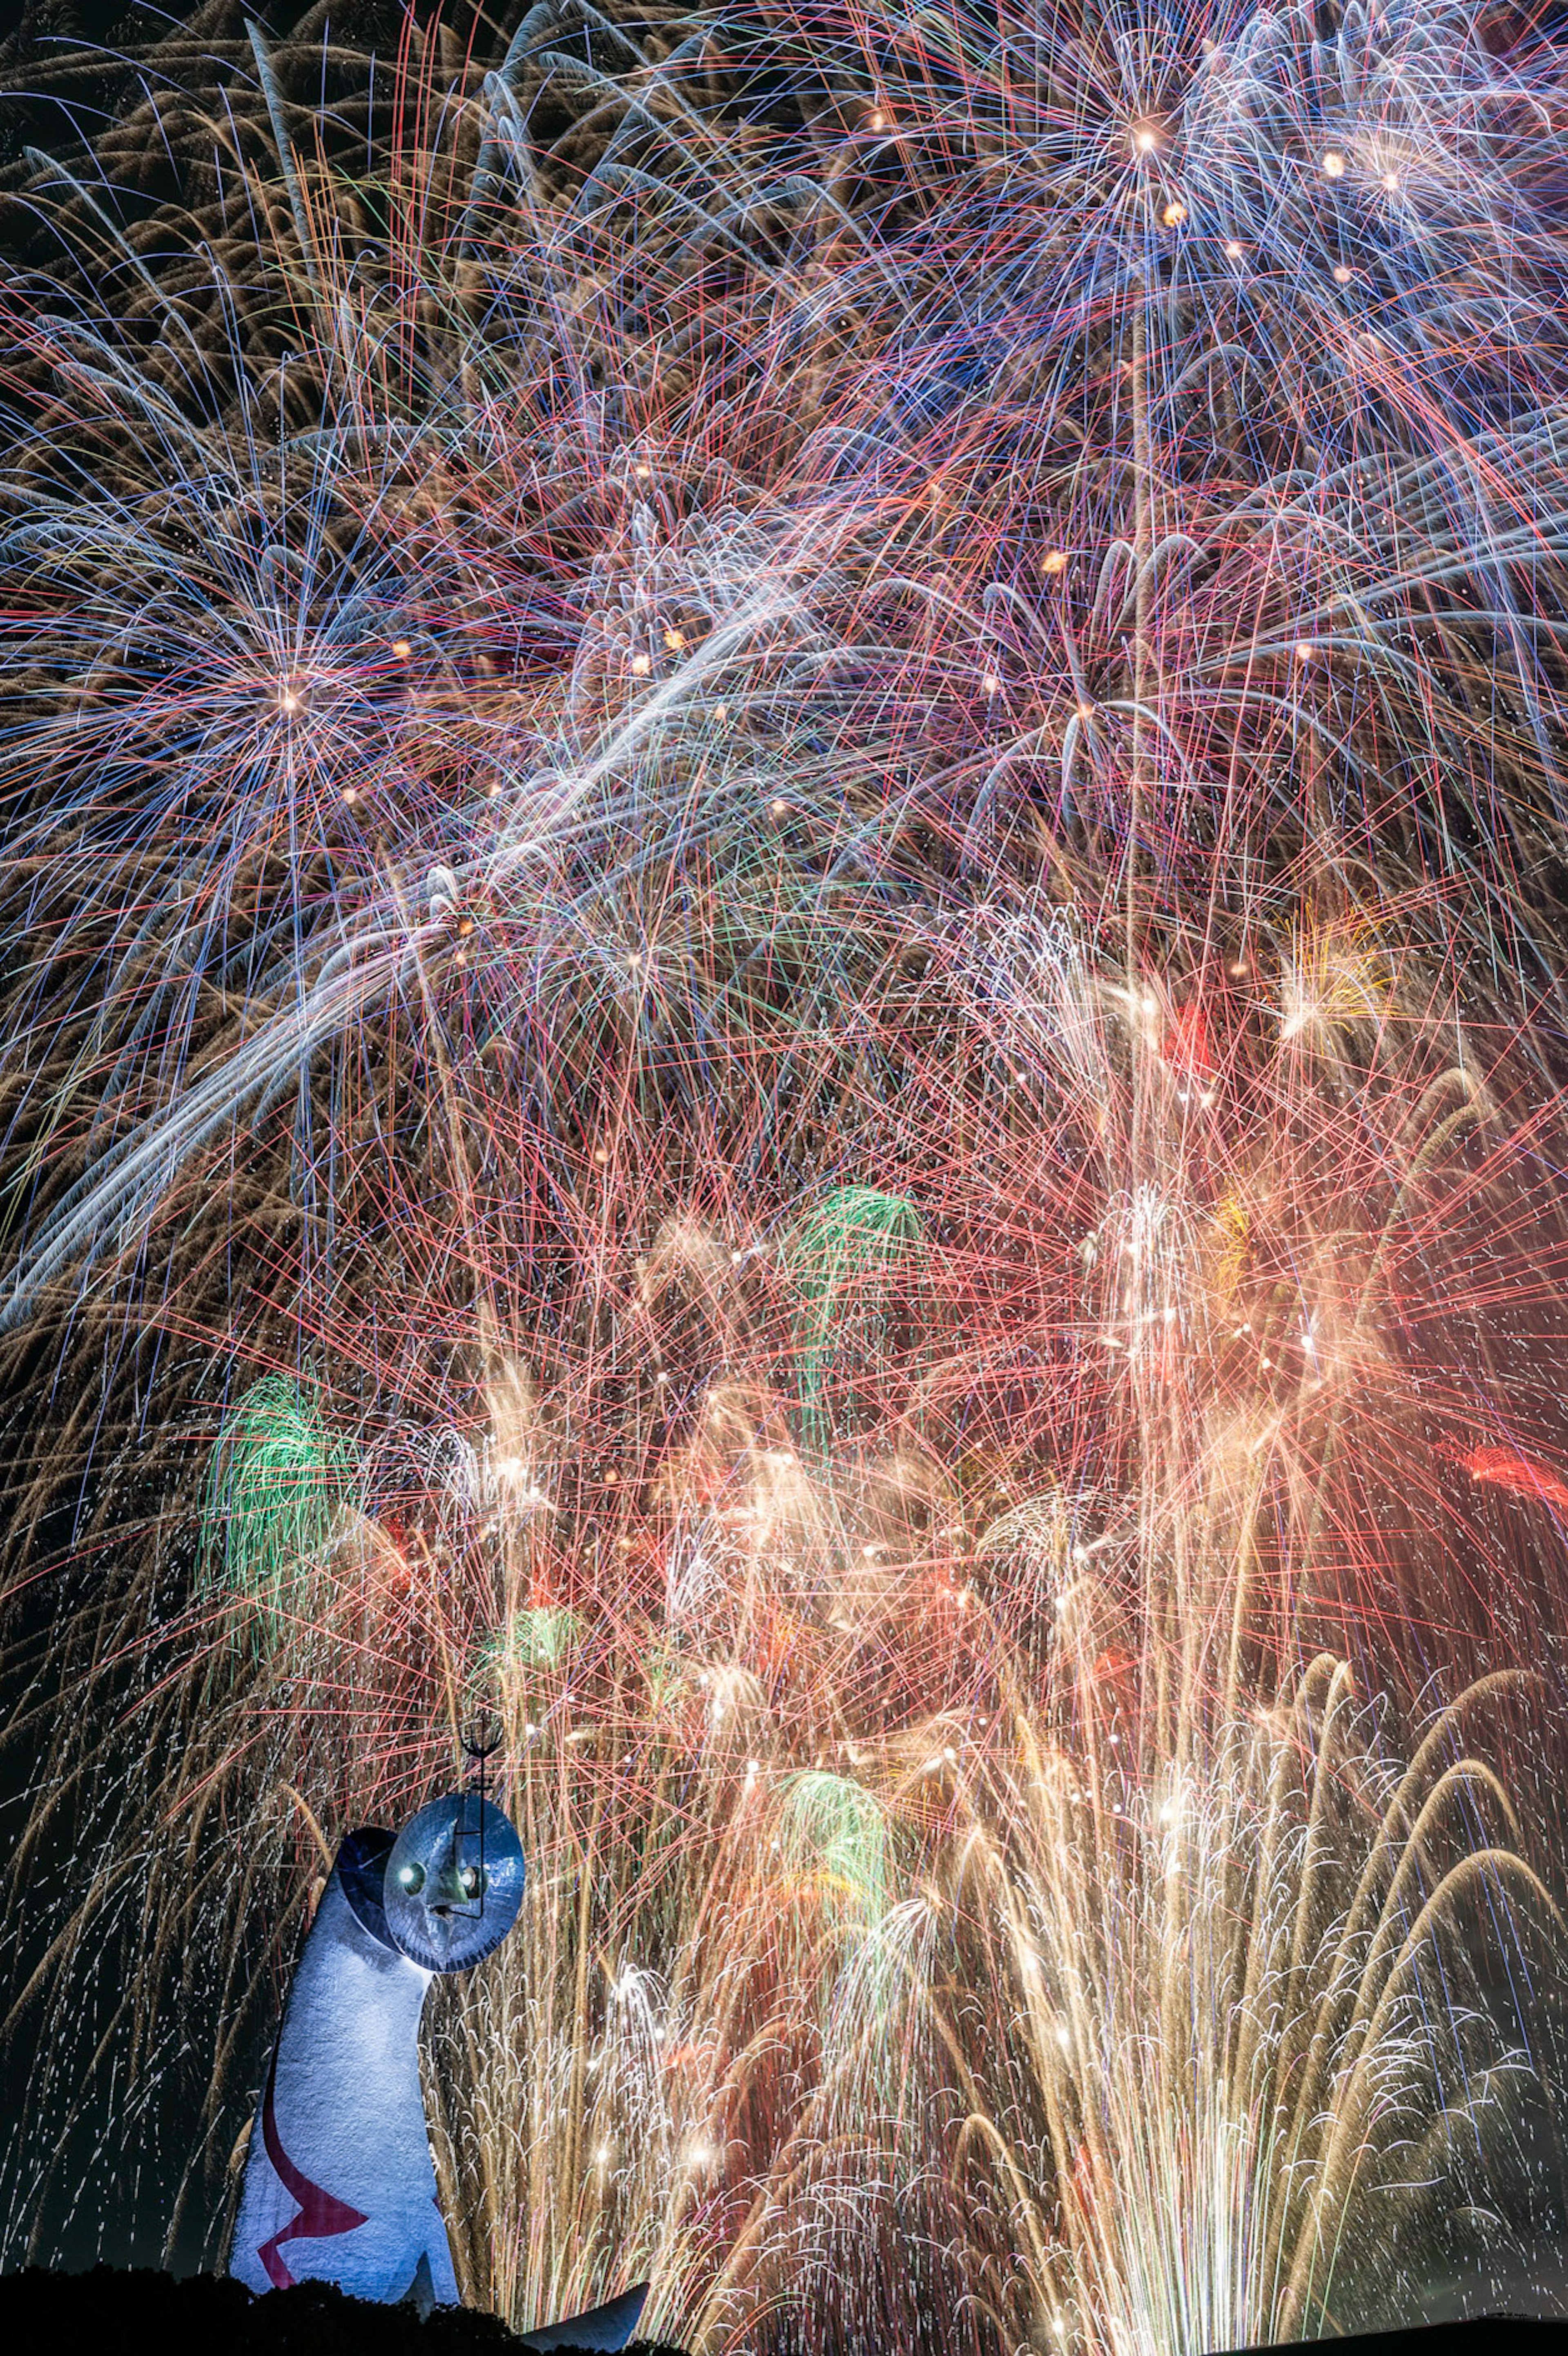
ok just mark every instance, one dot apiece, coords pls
pixel 340 2186
pixel 339 2183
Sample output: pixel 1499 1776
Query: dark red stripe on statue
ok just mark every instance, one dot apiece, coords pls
pixel 321 2214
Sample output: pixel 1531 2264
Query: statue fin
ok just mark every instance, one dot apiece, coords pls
pixel 421 2293
pixel 605 2328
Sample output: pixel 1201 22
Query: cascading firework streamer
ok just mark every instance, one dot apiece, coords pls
pixel 784 999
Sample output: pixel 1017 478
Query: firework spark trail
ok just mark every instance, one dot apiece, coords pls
pixel 780 997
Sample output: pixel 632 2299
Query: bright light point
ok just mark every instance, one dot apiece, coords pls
pixel 1391 182
pixel 1054 560
pixel 876 120
pixel 642 472
pixel 720 711
pixel 601 2155
pixel 1333 164
pixel 1342 275
pixel 640 666
pixel 1173 214
pixel 509 1467
pixel 991 682
pixel 1233 248
pixel 402 649
pixel 1145 140
pixel 1085 711
pixel 1305 651
pixel 778 808
pixel 675 640
pixel 349 794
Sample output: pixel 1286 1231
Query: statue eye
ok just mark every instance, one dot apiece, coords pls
pixel 412 1878
pixel 472 1879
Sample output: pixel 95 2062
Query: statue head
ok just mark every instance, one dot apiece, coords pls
pixel 445 1891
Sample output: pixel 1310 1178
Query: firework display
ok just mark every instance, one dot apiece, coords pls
pixel 784 1000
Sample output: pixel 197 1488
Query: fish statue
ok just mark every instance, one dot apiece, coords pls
pixel 339 2182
